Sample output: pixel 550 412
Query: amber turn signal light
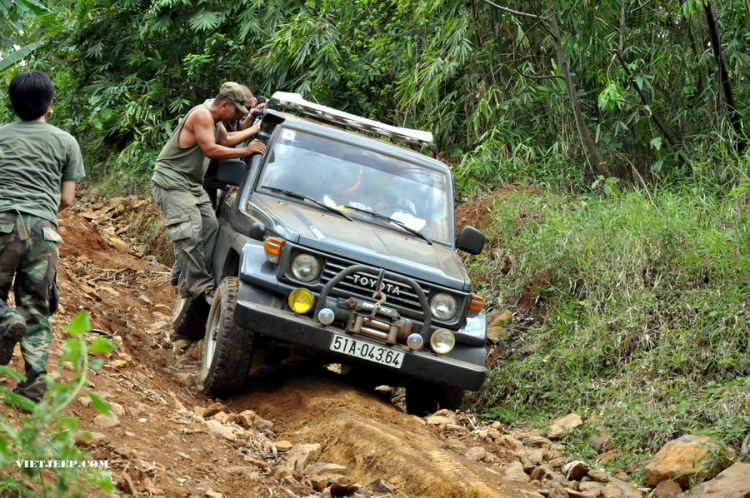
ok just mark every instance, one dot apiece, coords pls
pixel 477 303
pixel 273 246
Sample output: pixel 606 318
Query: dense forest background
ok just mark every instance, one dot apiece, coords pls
pixel 626 273
pixel 555 93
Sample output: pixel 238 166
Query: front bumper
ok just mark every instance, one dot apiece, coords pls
pixel 287 327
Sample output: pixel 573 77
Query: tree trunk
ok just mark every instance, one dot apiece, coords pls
pixel 593 157
pixel 726 85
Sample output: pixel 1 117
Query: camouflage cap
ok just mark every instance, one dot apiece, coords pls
pixel 234 92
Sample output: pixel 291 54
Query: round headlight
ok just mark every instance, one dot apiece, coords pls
pixel 443 306
pixel 305 267
pixel 442 341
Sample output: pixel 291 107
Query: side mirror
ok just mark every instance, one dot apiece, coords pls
pixel 231 171
pixel 470 240
pixel 257 231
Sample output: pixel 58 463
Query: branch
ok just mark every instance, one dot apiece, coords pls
pixel 553 76
pixel 511 11
pixel 621 45
pixel 656 119
pixel 640 7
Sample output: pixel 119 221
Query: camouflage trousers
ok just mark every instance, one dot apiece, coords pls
pixel 193 228
pixel 28 252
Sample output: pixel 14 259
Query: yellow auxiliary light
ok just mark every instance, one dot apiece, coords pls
pixel 301 301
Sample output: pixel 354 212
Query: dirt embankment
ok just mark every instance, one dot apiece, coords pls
pixel 168 439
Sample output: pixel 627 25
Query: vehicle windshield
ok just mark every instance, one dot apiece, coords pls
pixel 342 175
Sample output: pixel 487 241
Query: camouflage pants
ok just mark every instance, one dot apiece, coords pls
pixel 28 251
pixel 192 226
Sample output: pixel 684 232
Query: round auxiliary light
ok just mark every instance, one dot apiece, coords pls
pixel 443 306
pixel 442 341
pixel 326 316
pixel 301 301
pixel 305 267
pixel 415 341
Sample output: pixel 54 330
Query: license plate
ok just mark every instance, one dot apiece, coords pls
pixel 367 351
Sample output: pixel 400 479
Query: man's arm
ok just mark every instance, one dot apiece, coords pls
pixel 203 130
pixel 68 191
pixel 237 137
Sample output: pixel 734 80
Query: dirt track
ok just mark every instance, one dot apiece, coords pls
pixel 161 446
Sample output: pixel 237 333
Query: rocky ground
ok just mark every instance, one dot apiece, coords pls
pixel 297 431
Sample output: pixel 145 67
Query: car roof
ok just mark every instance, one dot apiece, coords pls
pixel 358 136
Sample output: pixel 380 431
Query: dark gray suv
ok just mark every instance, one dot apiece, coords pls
pixel 340 246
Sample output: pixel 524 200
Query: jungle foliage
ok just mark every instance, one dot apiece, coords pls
pixel 497 82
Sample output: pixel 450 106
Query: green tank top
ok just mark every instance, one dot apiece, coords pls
pixel 179 168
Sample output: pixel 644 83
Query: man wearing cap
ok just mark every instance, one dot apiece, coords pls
pixel 177 183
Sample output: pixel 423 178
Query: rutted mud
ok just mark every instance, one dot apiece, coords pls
pixel 368 435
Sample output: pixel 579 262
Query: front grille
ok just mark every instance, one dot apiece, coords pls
pixel 362 285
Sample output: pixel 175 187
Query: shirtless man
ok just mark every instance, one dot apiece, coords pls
pixel 177 183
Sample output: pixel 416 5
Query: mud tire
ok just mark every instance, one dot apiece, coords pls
pixel 423 398
pixel 227 347
pixel 189 317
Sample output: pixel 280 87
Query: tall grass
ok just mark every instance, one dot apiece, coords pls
pixel 633 308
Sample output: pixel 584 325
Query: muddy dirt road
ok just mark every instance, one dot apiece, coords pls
pixel 167 439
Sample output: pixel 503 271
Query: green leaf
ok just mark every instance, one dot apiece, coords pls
pixel 20 54
pixel 99 404
pixel 205 20
pixel 11 372
pixel 102 345
pixel 17 400
pixel 79 325
pixel 96 364
pixel 33 6
pixel 656 143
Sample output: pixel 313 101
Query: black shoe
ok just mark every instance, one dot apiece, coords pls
pixel 33 390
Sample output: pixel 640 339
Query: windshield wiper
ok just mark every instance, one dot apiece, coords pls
pixel 303 197
pixel 398 223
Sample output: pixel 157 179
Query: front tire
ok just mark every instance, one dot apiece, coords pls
pixel 227 347
pixel 424 398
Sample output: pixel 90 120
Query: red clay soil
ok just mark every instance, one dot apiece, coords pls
pixel 163 447
pixel 478 211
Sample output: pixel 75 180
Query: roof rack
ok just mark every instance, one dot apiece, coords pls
pixel 294 101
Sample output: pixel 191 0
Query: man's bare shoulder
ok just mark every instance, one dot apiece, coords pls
pixel 200 117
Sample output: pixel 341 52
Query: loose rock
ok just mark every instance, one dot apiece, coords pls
pixel 686 457
pixel 303 454
pixel 563 425
pixel 515 472
pixel 734 482
pixel 107 421
pixel 667 489
pixel 620 489
pixel 476 453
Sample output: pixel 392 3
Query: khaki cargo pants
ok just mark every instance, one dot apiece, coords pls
pixel 28 252
pixel 193 228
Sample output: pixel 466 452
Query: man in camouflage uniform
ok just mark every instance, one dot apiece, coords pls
pixel 39 167
pixel 177 184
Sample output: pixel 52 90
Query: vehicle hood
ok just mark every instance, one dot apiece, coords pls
pixel 366 243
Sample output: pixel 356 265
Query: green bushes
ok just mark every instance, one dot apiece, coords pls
pixel 639 311
pixel 47 434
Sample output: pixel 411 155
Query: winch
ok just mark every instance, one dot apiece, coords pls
pixel 375 320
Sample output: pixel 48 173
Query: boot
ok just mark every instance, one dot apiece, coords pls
pixel 12 329
pixel 33 388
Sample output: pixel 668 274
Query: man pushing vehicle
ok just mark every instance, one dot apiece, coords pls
pixel 177 183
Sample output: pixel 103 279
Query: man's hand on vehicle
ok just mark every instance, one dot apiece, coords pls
pixel 255 147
